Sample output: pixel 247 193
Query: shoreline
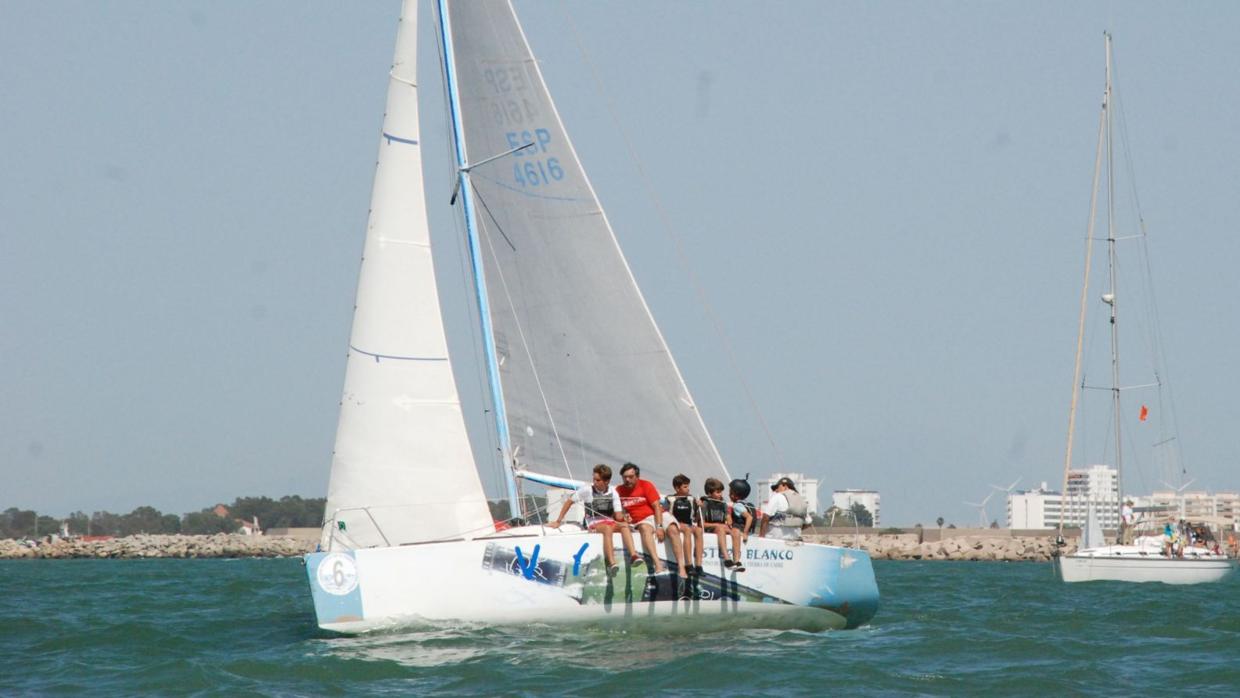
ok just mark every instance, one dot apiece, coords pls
pixel 220 545
pixel 880 546
pixel 911 546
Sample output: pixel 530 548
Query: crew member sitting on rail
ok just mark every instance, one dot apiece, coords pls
pixel 716 517
pixel 604 514
pixel 641 501
pixel 684 525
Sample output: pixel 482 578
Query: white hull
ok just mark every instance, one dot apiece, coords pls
pixel 1129 563
pixel 560 578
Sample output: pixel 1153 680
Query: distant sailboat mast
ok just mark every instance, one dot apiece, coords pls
pixel 1110 299
pixel 475 256
pixel 1080 334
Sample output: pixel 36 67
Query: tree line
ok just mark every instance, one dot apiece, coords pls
pixel 286 512
pixel 856 515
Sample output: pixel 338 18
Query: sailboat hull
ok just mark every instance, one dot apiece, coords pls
pixel 1127 564
pixel 561 578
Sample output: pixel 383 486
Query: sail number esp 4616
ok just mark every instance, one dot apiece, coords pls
pixel 532 168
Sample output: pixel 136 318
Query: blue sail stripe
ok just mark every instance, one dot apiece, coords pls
pixel 398 139
pixel 398 358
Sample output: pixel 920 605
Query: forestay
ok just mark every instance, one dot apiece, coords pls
pixel 585 373
pixel 402 452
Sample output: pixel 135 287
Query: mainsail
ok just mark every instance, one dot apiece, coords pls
pixel 403 470
pixel 587 377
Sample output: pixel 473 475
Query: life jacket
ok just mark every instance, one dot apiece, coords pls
pixel 754 520
pixel 795 516
pixel 714 510
pixel 601 504
pixel 681 508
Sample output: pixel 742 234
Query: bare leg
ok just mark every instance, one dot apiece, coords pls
pixel 626 536
pixel 736 545
pixel 609 544
pixel 680 547
pixel 721 531
pixel 697 547
pixel 648 545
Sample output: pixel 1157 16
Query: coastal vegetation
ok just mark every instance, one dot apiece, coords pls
pixel 856 516
pixel 290 511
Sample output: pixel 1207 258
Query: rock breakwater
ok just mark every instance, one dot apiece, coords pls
pixel 157 546
pixel 904 546
pixel 909 546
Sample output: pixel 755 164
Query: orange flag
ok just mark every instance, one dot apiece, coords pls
pixel 1145 412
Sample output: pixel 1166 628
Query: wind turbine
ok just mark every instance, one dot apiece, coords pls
pixel 1181 488
pixel 1009 488
pixel 981 509
pixel 1008 491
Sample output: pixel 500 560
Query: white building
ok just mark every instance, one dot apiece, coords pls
pixel 1036 508
pixel 1160 505
pixel 844 499
pixel 1096 487
pixel 807 486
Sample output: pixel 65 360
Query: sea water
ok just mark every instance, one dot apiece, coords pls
pixel 220 627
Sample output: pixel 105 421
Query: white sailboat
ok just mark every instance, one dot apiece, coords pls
pixel 1154 557
pixel 579 374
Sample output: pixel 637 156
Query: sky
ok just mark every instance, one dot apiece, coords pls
pixel 883 206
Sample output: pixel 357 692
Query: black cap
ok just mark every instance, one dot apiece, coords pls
pixel 784 481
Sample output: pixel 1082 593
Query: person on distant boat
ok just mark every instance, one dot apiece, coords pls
pixel 641 500
pixel 1126 520
pixel 684 525
pixel 717 518
pixel 604 514
pixel 785 511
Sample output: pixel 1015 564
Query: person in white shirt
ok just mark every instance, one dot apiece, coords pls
pixel 604 514
pixel 1126 519
pixel 785 512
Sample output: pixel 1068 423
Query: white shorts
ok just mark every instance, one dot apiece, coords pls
pixel 648 521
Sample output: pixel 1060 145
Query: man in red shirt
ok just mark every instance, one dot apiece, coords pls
pixel 641 500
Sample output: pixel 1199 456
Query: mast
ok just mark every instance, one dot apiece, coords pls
pixel 1080 331
pixel 475 256
pixel 1110 298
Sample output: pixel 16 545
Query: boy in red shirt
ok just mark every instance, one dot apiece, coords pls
pixel 641 500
